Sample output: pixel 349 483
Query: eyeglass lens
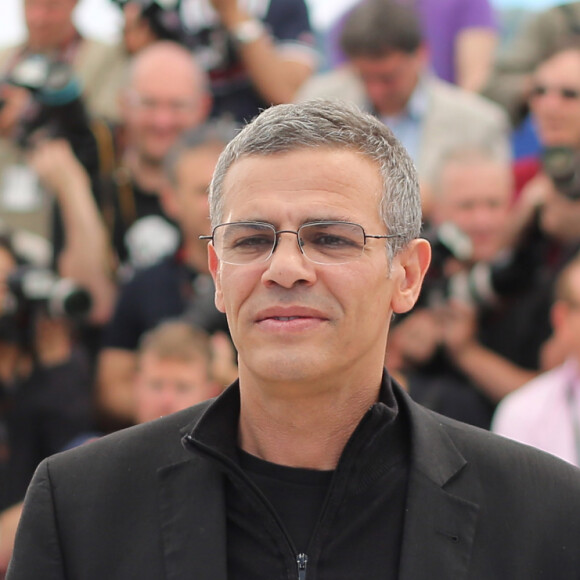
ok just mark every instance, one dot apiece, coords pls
pixel 323 243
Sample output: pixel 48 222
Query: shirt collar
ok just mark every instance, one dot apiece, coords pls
pixel 416 107
pixel 418 102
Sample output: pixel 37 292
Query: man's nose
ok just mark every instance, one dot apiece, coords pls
pixel 287 264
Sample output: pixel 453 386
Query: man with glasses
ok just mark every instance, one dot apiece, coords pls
pixel 166 94
pixel 315 463
pixel 548 202
pixel 553 97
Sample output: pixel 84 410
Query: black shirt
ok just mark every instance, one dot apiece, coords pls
pixel 166 290
pixel 353 529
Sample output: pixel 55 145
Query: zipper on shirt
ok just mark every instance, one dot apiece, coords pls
pixel 191 443
pixel 302 561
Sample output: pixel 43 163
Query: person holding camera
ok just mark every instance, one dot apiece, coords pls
pixel 461 350
pixel 99 69
pixel 109 224
pixel 45 381
pixel 255 53
pixel 551 196
pixel 178 285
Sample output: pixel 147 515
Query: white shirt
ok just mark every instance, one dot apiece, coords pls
pixel 545 412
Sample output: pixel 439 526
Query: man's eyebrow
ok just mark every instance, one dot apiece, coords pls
pixel 327 218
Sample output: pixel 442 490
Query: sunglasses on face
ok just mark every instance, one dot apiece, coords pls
pixel 565 93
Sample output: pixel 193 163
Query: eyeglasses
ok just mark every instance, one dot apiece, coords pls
pixel 565 93
pixel 150 104
pixel 325 242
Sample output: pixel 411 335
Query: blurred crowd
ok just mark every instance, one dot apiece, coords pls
pixel 107 316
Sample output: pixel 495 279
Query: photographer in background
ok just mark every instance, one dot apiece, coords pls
pixel 544 233
pixel 113 223
pixel 100 69
pixel 552 195
pixel 165 95
pixel 178 285
pixel 147 21
pixel 45 383
pixel 257 54
pixel 458 353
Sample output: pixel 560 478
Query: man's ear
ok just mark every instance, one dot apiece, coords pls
pixel 214 268
pixel 408 271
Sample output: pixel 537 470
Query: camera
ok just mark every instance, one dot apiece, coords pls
pixel 56 109
pixel 163 16
pixel 32 291
pixel 32 287
pixel 481 283
pixel 447 242
pixel 562 166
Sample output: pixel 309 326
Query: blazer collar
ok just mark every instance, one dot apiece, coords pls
pixel 442 503
pixel 193 520
pixel 441 513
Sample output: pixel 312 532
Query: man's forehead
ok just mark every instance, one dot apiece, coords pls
pixel 291 191
pixel 326 163
pixel 50 3
pixel 564 66
pixel 388 63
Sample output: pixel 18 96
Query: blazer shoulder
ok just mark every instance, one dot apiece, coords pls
pixel 155 443
pixel 493 459
pixel 459 102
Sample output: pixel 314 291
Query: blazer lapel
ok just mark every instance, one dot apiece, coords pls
pixel 442 505
pixel 193 521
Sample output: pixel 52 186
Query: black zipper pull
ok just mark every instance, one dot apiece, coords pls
pixel 302 561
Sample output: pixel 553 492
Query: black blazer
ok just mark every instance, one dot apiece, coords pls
pixel 137 505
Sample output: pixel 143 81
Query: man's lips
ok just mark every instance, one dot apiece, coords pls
pixel 289 314
pixel 290 319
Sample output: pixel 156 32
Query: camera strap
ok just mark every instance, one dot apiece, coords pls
pixel 106 149
pixel 118 192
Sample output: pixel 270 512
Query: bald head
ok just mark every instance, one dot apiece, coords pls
pixel 167 94
pixel 166 61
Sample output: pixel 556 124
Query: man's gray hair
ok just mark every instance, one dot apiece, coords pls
pixel 323 124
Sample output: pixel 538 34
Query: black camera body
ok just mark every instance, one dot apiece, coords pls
pixel 56 109
pixel 33 287
pixel 482 284
pixel 57 104
pixel 562 166
pixel 33 291
pixel 447 242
